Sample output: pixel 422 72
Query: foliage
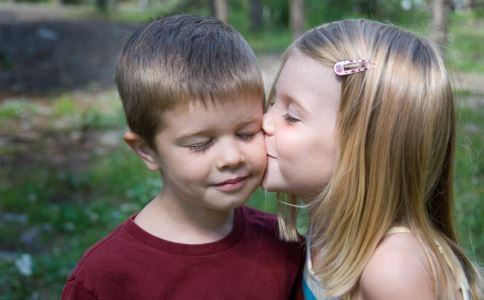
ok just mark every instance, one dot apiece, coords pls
pixel 469 170
pixel 466 50
pixel 269 41
pixel 130 12
pixel 276 12
pixel 14 109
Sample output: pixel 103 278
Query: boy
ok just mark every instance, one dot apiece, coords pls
pixel 193 97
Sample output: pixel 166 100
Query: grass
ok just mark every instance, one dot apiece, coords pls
pixel 76 210
pixel 15 109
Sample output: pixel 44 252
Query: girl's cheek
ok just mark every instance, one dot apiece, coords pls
pixel 288 141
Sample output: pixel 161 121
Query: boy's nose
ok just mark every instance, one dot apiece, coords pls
pixel 231 156
pixel 268 124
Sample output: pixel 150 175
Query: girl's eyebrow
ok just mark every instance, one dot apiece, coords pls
pixel 293 100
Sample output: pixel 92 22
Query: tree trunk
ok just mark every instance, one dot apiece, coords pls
pixel 363 7
pixel 105 6
pixel 440 23
pixel 220 10
pixel 256 20
pixel 144 5
pixel 468 4
pixel 296 19
pixel 102 5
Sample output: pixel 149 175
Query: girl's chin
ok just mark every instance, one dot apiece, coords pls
pixel 273 180
pixel 264 185
pixel 302 193
pixel 270 185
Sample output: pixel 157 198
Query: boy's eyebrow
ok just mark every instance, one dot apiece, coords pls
pixel 189 134
pixel 249 121
pixel 209 131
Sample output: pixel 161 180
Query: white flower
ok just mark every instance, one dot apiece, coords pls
pixel 24 264
pixel 406 4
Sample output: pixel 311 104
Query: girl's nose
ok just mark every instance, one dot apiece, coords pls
pixel 268 124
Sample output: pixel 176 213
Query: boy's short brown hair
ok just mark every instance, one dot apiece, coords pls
pixel 180 59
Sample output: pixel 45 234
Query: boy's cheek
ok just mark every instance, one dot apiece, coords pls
pixel 260 152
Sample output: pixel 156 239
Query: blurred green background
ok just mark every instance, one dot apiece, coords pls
pixel 67 179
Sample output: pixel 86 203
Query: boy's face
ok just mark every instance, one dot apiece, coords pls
pixel 212 155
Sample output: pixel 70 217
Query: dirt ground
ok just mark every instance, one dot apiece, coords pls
pixel 43 52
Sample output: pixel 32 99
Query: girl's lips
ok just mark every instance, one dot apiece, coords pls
pixel 271 156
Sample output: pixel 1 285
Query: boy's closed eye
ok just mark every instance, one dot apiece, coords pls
pixel 247 136
pixel 200 146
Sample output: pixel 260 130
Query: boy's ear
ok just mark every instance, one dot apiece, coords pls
pixel 139 146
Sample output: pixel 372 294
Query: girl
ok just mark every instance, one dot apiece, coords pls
pixel 361 128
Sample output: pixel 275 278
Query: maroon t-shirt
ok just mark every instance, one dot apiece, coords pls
pixel 249 263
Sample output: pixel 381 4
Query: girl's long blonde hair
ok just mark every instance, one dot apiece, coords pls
pixel 396 133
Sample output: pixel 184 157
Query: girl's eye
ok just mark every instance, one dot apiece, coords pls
pixel 247 136
pixel 290 118
pixel 200 147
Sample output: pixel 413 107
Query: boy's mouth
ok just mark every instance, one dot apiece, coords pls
pixel 271 156
pixel 232 184
pixel 232 181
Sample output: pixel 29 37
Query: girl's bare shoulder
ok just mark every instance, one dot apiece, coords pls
pixel 399 269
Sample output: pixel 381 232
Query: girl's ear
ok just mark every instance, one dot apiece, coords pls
pixel 139 146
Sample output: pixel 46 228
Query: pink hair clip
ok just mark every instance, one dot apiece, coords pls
pixel 347 67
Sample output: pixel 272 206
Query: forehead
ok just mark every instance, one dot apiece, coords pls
pixel 213 115
pixel 308 82
pixel 301 73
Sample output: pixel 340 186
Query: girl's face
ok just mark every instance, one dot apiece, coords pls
pixel 300 127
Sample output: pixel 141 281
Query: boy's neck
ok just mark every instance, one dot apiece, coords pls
pixel 185 223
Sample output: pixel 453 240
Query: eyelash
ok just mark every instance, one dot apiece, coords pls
pixel 286 116
pixel 205 146
pixel 247 136
pixel 290 119
pixel 200 147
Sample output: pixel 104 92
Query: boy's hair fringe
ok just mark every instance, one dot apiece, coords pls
pixel 181 59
